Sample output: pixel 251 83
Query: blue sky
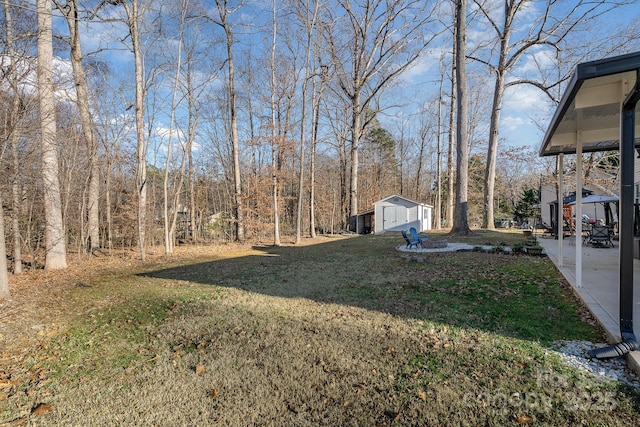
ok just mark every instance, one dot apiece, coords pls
pixel 526 110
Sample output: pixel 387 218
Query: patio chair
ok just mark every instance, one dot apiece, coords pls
pixel 411 241
pixel 548 230
pixel 600 236
pixel 416 236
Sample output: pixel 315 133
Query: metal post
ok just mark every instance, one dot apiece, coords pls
pixel 627 158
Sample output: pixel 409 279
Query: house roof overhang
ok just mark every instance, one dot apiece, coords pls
pixel 591 106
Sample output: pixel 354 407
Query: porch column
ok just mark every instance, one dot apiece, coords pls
pixel 559 224
pixel 579 183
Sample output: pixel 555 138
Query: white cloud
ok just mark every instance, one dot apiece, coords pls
pixel 511 123
pixel 524 98
pixel 424 66
pixel 541 59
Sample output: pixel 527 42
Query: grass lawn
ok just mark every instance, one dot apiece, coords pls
pixel 340 332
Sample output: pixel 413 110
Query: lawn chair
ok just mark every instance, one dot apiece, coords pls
pixel 600 236
pixel 416 236
pixel 548 229
pixel 411 241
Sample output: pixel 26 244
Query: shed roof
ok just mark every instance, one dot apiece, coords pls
pixel 395 196
pixel 591 106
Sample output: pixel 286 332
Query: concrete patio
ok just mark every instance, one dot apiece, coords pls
pixel 600 284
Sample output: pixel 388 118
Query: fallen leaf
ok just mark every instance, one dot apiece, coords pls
pixel 214 393
pixel 200 370
pixel 525 419
pixel 42 408
pixel 422 395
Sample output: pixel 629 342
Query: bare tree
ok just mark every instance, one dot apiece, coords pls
pixel 370 46
pixel 223 22
pixel 274 136
pixel 55 238
pixel 169 221
pixel 4 273
pixel 13 130
pixel 550 29
pixel 70 12
pixel 318 91
pixel 134 13
pixel 460 220
pixel 452 137
pixel 310 16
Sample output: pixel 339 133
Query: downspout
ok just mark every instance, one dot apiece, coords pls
pixel 626 217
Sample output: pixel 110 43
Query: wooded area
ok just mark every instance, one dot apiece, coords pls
pixel 129 124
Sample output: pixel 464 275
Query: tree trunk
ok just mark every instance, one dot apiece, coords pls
pixel 4 273
pixel 235 144
pixel 170 222
pixel 70 13
pixel 438 212
pixel 274 137
pixel 460 222
pixel 492 154
pixel 15 179
pixel 314 140
pixel 450 152
pixel 356 125
pixel 496 108
pixel 55 239
pixel 310 25
pixel 133 16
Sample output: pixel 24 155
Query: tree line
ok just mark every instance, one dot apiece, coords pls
pixel 137 123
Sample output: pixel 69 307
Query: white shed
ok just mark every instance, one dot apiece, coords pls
pixel 397 213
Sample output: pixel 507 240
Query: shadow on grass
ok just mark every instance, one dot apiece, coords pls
pixel 517 296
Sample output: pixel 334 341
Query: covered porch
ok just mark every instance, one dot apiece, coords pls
pixel 597 113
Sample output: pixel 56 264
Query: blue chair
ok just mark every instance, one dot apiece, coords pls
pixel 410 241
pixel 416 236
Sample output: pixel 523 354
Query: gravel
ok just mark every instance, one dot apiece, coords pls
pixel 451 247
pixel 574 354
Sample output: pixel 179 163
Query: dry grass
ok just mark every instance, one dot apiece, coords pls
pixel 345 332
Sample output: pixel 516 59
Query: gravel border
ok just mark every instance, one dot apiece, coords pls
pixel 574 354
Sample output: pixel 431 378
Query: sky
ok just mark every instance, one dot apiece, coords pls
pixel 526 110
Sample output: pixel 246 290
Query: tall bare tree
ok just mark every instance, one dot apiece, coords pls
pixel 309 17
pixel 70 12
pixel 460 219
pixel 223 14
pixel 371 44
pixel 13 132
pixel 55 238
pixel 274 134
pixel 451 199
pixel 318 91
pixel 553 23
pixel 171 200
pixel 4 272
pixel 134 12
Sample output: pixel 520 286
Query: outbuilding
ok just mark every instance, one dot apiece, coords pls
pixel 395 213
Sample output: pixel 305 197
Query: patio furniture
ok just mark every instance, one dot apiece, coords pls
pixel 416 236
pixel 411 241
pixel 600 236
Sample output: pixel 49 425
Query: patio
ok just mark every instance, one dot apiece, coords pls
pixel 600 284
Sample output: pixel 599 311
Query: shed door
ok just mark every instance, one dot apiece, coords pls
pixel 394 216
